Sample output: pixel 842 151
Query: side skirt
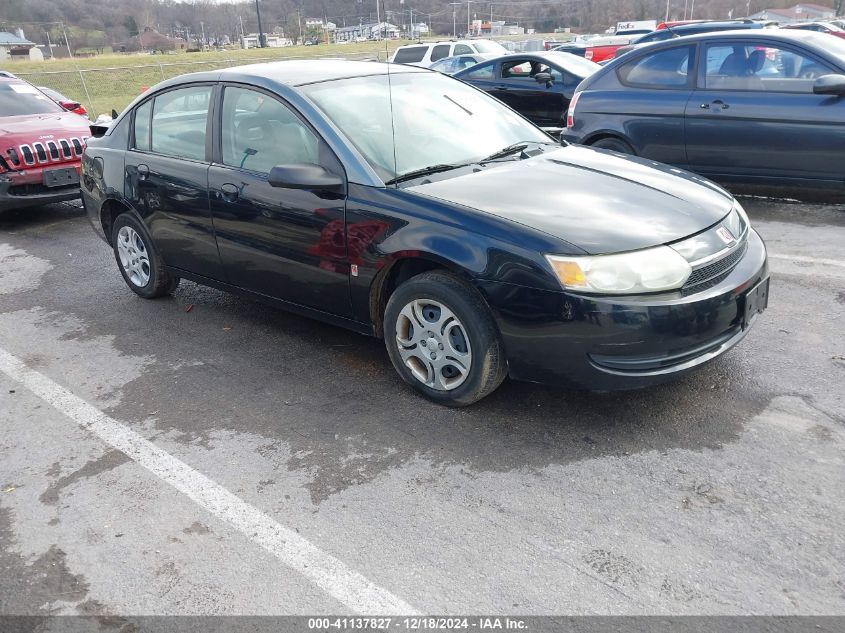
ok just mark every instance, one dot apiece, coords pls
pixel 319 315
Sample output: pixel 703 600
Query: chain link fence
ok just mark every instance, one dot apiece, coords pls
pixel 102 89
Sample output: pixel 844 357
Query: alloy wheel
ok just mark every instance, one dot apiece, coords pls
pixel 433 344
pixel 134 258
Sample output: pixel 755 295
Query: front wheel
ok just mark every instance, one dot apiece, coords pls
pixel 442 340
pixel 139 261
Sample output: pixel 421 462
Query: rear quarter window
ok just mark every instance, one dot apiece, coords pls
pixel 663 69
pixel 439 52
pixel 410 55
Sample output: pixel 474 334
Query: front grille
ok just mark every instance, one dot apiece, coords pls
pixel 714 272
pixel 56 151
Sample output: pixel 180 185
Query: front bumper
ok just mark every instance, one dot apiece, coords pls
pixel 611 343
pixel 12 198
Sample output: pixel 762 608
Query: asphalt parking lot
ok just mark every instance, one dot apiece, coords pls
pixel 203 454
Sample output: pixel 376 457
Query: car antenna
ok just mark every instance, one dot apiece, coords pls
pixel 390 86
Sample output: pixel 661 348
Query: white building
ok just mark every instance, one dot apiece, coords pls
pixel 797 13
pixel 383 30
pixel 271 40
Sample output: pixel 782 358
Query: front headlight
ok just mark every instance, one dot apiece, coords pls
pixel 638 272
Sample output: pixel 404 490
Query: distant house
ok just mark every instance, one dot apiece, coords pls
pixel 14 46
pixel 797 13
pixel 151 40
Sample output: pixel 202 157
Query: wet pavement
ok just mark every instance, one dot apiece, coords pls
pixel 720 493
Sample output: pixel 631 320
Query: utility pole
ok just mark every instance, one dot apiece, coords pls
pixel 67 43
pixel 49 44
pixel 469 2
pixel 455 6
pixel 378 19
pixel 692 9
pixel 666 19
pixel 202 29
pixel 260 30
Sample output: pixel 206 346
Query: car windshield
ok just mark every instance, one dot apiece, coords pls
pixel 490 47
pixel 436 120
pixel 17 98
pixel 832 46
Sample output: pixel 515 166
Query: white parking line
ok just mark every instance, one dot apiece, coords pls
pixel 327 572
pixel 804 259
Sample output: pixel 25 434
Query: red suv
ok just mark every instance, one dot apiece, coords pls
pixel 41 146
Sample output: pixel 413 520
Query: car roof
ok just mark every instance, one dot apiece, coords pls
pixel 307 71
pixel 810 38
pixel 696 26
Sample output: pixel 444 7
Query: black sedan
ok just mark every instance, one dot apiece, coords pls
pixel 537 85
pixel 403 204
pixel 764 107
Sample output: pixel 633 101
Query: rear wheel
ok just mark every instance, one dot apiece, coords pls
pixel 139 261
pixel 442 339
pixel 613 144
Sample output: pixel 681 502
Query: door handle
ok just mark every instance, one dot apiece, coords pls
pixel 501 87
pixel 718 104
pixel 228 192
pixel 143 172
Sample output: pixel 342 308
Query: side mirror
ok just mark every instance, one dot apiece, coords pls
pixel 543 78
pixel 830 85
pixel 305 176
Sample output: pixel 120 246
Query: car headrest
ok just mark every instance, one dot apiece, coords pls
pixel 734 65
pixel 756 60
pixel 254 127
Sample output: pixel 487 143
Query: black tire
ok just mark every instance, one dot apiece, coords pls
pixel 614 144
pixel 488 366
pixel 160 282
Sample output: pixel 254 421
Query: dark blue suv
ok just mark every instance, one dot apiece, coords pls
pixel 764 107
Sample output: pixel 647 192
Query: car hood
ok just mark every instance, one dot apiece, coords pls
pixel 35 126
pixel 599 201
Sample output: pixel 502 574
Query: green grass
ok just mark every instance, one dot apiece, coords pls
pixel 114 80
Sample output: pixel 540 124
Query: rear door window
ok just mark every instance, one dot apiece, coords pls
pixel 410 54
pixel 664 69
pixel 439 52
pixel 179 122
pixel 481 72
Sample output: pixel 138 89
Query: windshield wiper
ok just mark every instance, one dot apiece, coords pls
pixel 425 171
pixel 513 149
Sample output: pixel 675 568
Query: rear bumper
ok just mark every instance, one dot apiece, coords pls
pixel 13 197
pixel 613 343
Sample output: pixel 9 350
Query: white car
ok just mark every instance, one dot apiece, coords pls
pixel 425 54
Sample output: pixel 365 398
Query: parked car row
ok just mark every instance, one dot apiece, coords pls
pixel 735 101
